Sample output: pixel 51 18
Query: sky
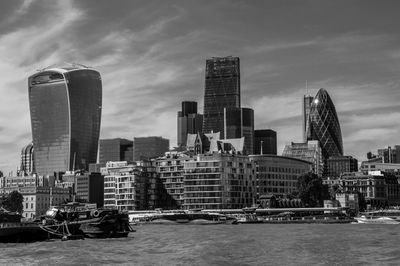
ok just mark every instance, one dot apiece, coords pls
pixel 152 54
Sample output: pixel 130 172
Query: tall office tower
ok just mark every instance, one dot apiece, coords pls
pixel 149 147
pixel 27 160
pixel 65 105
pixel 232 123
pixel 248 129
pixel 324 126
pixel 265 141
pixel 222 90
pixel 115 150
pixel 239 122
pixel 189 122
pixel 307 101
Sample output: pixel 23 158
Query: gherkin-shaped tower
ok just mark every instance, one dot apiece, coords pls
pixel 324 125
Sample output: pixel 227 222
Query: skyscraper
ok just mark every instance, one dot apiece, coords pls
pixel 222 90
pixel 324 126
pixel 189 122
pixel 65 106
pixel 307 101
pixel 239 122
pixel 265 141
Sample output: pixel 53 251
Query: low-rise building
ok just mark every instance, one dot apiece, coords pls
pixel 338 165
pixel 278 174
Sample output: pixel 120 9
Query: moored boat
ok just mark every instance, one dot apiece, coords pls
pixel 77 220
pixel 13 229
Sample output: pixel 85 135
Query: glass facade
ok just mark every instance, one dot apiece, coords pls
pixel 65 105
pixel 324 125
pixel 222 89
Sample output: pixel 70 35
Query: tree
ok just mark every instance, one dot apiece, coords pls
pixel 13 202
pixel 311 190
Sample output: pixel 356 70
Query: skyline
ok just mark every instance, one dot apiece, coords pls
pixel 152 56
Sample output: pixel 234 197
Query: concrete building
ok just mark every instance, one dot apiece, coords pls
pixel 265 141
pixel 278 175
pixel 222 90
pixel 309 151
pixel 149 147
pixel 65 105
pixel 115 150
pixel 337 165
pixel 189 122
pixel 219 181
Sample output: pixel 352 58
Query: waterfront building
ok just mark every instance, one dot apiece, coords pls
pixel 278 175
pixel 265 141
pixel 189 122
pixel 65 106
pixel 130 186
pixel 341 164
pixel 27 160
pixel 307 101
pixel 115 150
pixel 309 151
pixel 149 147
pixel 170 169
pixel 89 187
pixel 37 199
pixel 219 181
pixel 379 189
pixel 222 90
pixel 324 126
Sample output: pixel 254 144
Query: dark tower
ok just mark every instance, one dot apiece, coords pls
pixel 189 122
pixel 222 90
pixel 65 105
pixel 265 141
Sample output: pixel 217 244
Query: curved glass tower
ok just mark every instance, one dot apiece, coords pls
pixel 324 125
pixel 65 105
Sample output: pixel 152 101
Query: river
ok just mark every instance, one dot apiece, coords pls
pixel 253 244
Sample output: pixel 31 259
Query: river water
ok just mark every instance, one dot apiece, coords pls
pixel 252 244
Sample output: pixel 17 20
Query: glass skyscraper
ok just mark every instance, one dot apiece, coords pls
pixel 222 90
pixel 324 125
pixel 65 105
